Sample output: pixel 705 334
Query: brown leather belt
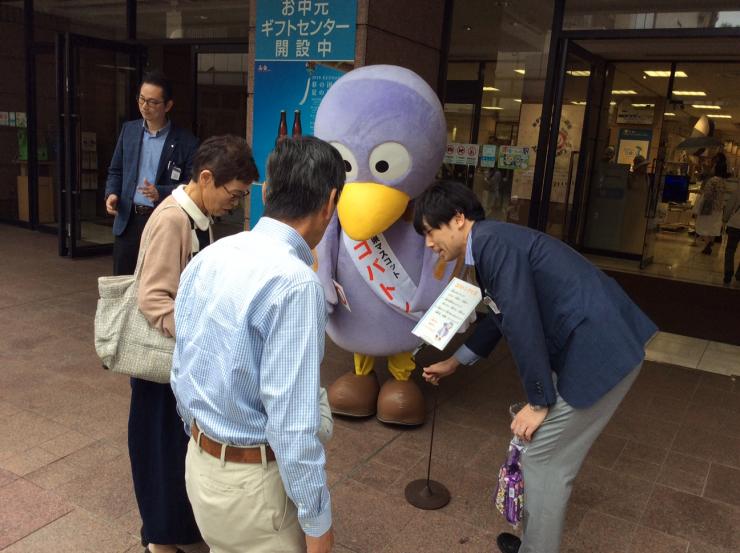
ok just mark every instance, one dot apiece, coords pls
pixel 234 454
pixel 143 209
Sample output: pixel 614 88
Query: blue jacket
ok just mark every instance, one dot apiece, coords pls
pixel 177 153
pixel 557 312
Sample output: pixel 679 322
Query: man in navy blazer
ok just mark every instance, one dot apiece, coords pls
pixel 577 340
pixel 152 158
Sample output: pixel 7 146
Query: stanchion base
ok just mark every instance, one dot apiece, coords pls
pixel 428 498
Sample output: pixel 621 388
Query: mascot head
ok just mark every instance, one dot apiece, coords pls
pixel 389 127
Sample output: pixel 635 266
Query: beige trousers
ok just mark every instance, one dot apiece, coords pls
pixel 241 507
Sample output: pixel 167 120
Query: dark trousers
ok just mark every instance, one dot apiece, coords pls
pixel 126 246
pixel 733 237
pixel 157 445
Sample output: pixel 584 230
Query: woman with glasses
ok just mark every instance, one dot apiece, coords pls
pixel 180 226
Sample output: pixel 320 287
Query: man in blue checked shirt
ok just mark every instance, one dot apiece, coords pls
pixel 250 317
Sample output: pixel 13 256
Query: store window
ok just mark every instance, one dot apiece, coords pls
pixel 13 136
pixel 493 101
pixel 664 14
pixel 199 19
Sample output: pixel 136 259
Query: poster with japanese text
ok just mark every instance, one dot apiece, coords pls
pixel 448 313
pixel 302 48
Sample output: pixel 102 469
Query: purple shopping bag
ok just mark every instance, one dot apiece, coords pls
pixel 509 496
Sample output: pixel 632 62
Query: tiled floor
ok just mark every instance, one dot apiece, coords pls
pixel 663 478
pixel 677 256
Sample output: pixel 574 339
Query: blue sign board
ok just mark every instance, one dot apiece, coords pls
pixel 289 86
pixel 306 30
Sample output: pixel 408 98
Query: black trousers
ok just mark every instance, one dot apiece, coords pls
pixel 733 237
pixel 157 445
pixel 126 246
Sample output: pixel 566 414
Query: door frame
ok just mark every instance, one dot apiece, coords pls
pixel 67 46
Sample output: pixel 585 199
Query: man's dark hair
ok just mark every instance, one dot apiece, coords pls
pixel 228 158
pixel 157 78
pixel 301 173
pixel 442 201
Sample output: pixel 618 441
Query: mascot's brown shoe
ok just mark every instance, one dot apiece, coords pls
pixel 401 402
pixel 353 395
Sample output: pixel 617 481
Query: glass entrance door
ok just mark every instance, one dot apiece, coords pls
pixel 578 100
pixel 96 82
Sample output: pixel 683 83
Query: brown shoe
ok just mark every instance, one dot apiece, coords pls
pixel 354 396
pixel 401 402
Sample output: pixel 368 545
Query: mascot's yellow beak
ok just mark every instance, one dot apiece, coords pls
pixel 367 208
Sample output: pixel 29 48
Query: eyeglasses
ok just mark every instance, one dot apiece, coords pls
pixel 237 195
pixel 151 102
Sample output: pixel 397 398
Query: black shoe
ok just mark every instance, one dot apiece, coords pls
pixel 727 279
pixel 508 543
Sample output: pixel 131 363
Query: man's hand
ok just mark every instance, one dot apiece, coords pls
pixel 433 373
pixel 111 204
pixel 527 421
pixel 150 191
pixel 322 544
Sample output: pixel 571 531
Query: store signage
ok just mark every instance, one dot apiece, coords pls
pixel 298 46
pixel 629 113
pixel 306 30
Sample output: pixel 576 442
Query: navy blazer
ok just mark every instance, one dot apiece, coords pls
pixel 123 173
pixel 558 312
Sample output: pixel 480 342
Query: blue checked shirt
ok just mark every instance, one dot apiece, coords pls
pixel 250 317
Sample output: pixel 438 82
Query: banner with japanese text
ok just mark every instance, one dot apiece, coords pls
pixel 302 47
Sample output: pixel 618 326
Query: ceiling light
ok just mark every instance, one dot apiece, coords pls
pixel 719 116
pixel 689 93
pixel 578 103
pixel 624 92
pixel 655 73
pixel 612 103
pixel 643 105
pixel 467 28
pixel 520 71
pixel 490 89
pixel 579 73
pixel 498 108
pixel 669 114
pixel 705 106
pixel 518 100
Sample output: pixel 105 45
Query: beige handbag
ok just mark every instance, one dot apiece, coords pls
pixel 124 341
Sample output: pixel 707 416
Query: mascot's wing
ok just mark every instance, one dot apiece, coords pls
pixel 434 277
pixel 326 258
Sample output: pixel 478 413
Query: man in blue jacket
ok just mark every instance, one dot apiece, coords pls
pixel 152 158
pixel 577 340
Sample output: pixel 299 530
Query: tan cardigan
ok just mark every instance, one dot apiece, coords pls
pixel 170 245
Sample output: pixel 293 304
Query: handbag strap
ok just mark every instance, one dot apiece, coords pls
pixel 143 247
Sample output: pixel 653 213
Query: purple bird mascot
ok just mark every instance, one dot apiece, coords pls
pixel 389 127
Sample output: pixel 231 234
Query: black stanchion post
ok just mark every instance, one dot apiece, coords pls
pixel 428 494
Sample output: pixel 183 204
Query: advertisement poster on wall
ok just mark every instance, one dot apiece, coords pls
pixel 569 141
pixel 301 49
pixel 513 157
pixel 633 143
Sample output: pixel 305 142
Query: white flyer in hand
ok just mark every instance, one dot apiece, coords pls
pixel 448 313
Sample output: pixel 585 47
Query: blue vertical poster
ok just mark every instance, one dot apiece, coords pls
pixel 298 43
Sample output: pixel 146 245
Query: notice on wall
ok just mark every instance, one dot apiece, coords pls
pixel 448 313
pixel 513 157
pixel 461 154
pixel 488 155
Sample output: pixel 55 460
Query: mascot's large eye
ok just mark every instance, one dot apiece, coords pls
pixel 390 161
pixel 350 163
